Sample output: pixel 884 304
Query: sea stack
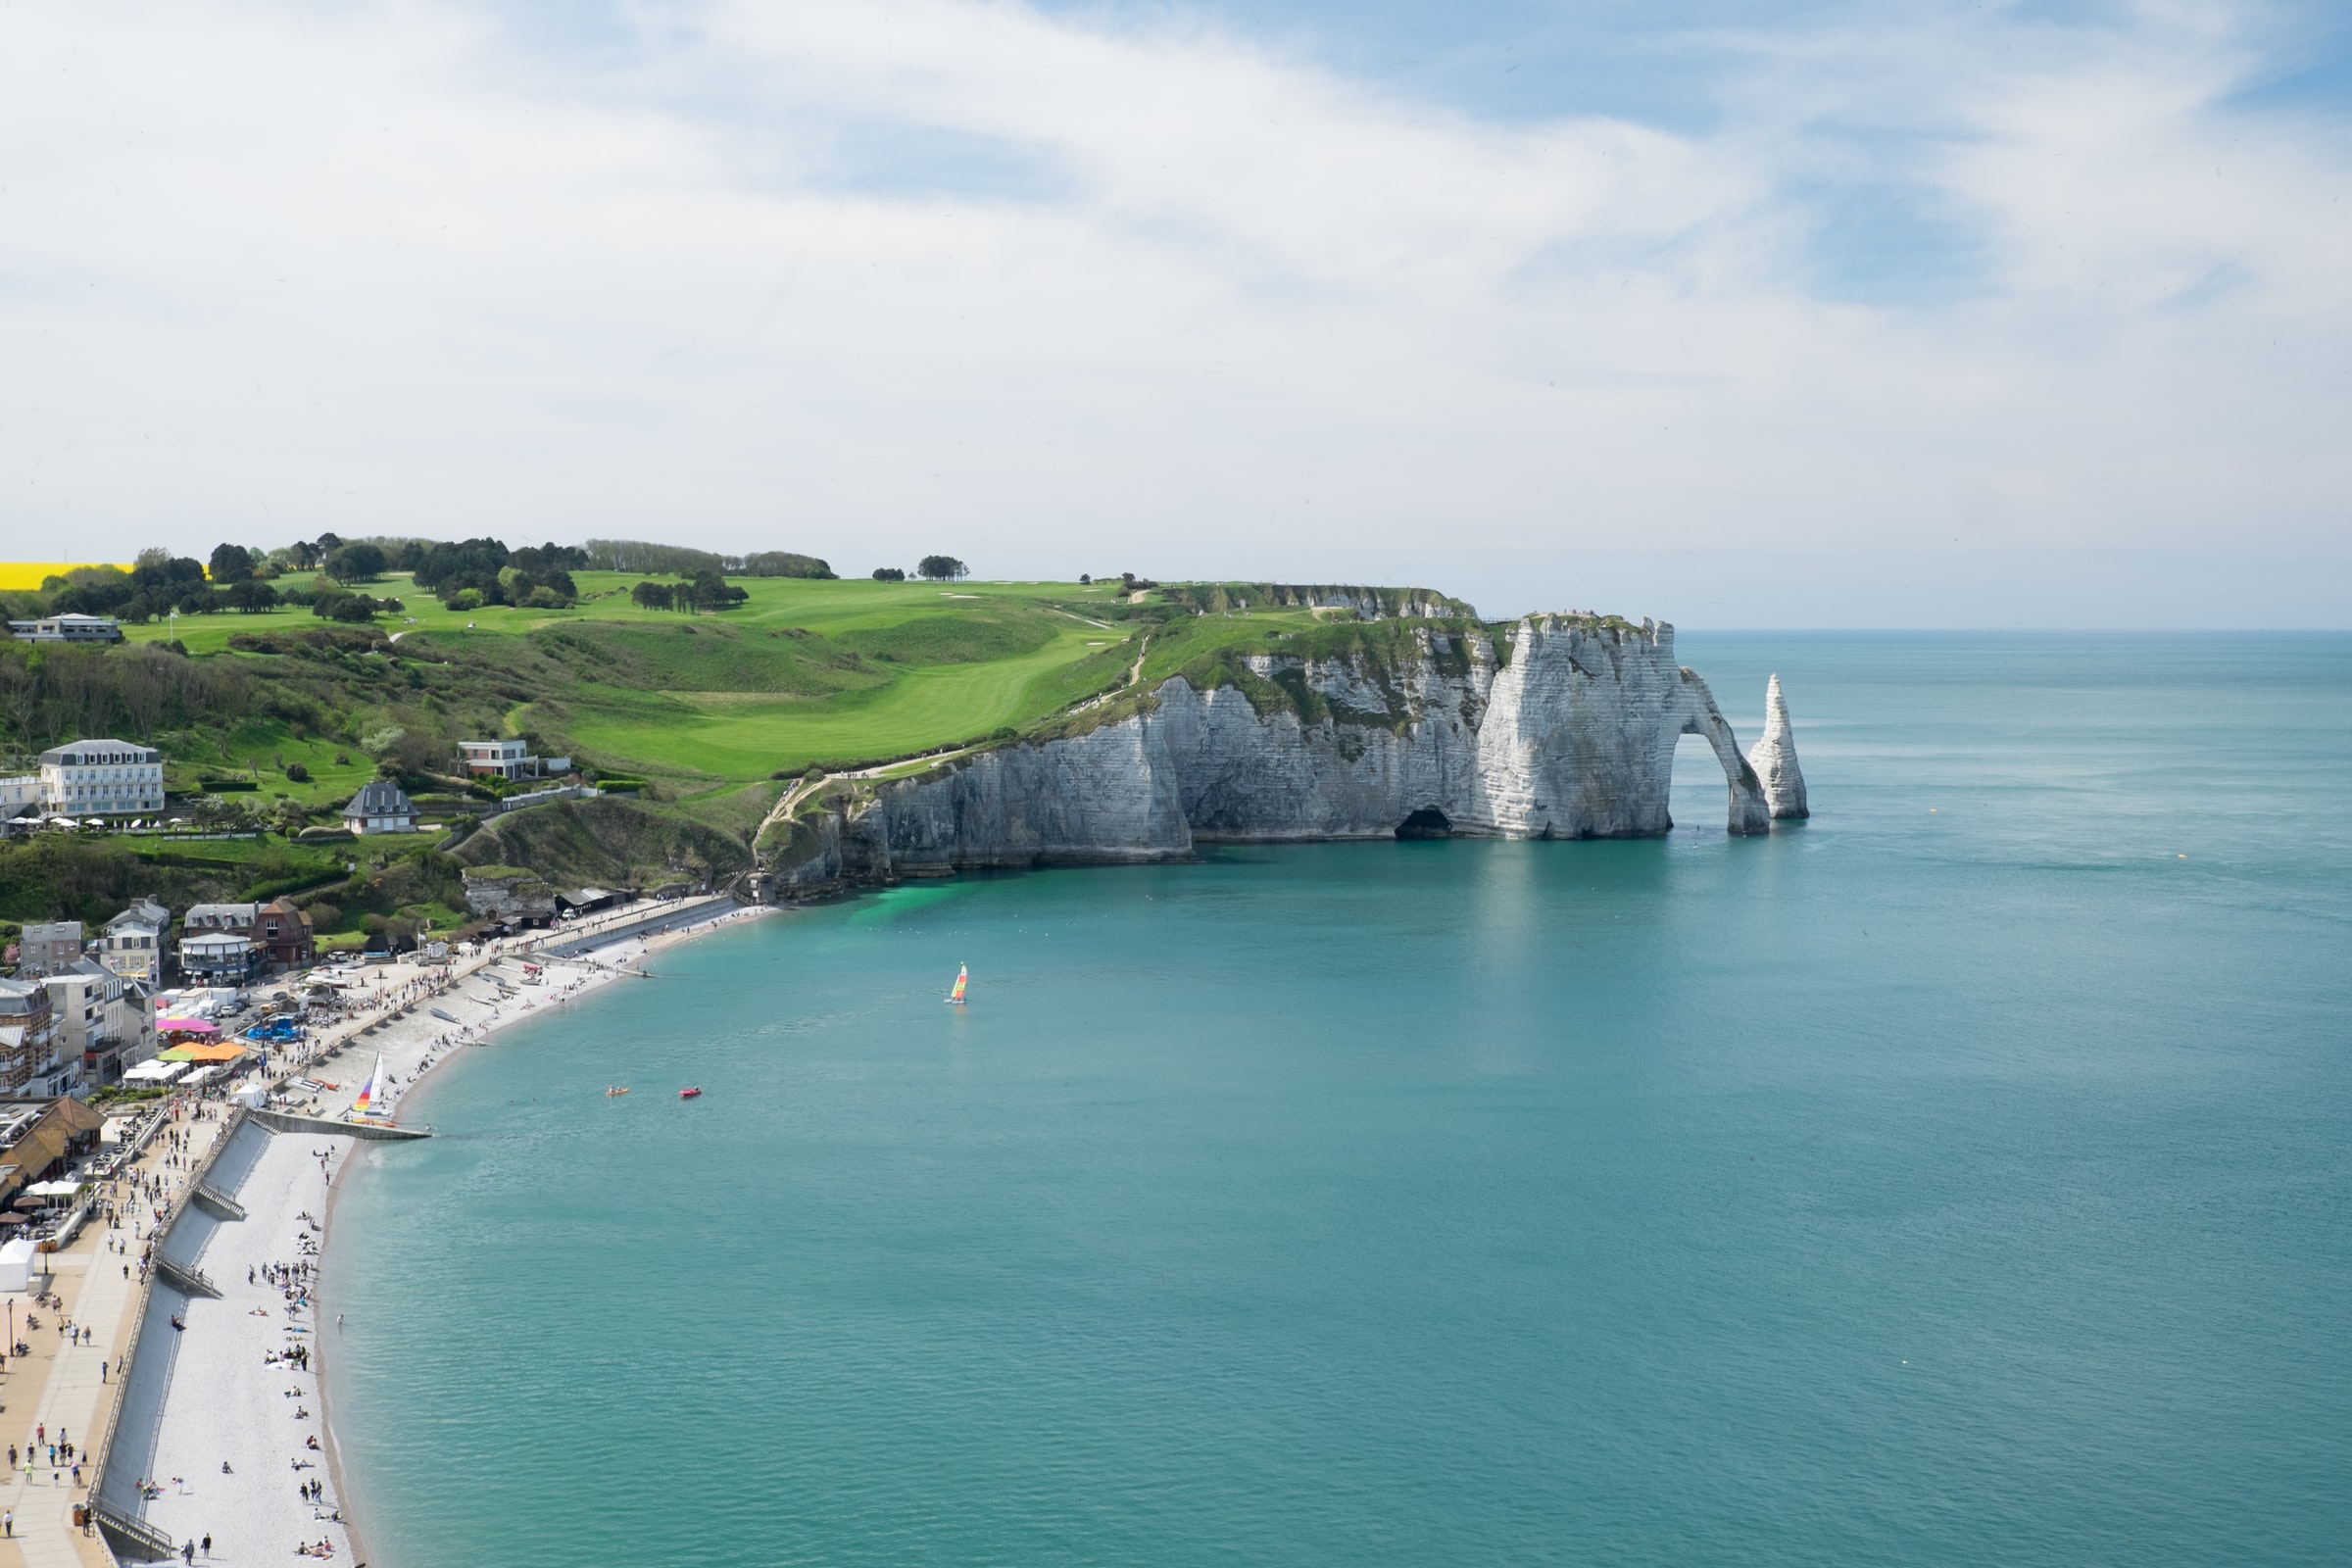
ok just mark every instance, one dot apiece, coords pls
pixel 1775 758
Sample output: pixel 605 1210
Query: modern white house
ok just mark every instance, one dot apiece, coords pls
pixel 69 630
pixel 102 778
pixel 380 807
pixel 510 760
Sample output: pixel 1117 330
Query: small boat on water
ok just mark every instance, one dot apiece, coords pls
pixel 615 1088
pixel 963 978
pixel 688 1093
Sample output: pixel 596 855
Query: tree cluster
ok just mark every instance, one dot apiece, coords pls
pixel 942 568
pixel 353 609
pixel 703 590
pixel 473 572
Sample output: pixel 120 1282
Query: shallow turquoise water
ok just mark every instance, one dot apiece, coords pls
pixel 1951 1185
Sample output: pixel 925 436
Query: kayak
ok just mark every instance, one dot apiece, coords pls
pixel 688 1093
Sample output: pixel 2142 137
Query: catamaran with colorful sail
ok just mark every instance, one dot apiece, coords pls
pixel 371 1093
pixel 963 977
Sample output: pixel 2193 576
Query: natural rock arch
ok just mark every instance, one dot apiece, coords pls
pixel 1748 810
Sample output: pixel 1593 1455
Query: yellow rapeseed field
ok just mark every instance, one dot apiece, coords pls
pixel 21 574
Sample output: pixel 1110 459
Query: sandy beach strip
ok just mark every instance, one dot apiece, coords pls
pixel 220 1391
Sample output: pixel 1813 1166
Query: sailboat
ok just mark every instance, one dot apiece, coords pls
pixel 372 1092
pixel 963 977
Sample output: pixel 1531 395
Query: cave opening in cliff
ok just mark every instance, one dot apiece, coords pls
pixel 1427 823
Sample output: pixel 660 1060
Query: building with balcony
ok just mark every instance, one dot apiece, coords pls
pixel 102 778
pixel 104 1022
pixel 510 760
pixel 28 1039
pixel 137 942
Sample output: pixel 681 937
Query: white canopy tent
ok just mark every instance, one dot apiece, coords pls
pixel 17 1265
pixel 53 1189
pixel 154 1072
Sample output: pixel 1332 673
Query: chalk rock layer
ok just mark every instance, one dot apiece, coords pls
pixel 1567 730
pixel 1774 758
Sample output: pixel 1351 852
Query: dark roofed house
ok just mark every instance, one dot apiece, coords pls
pixel 380 807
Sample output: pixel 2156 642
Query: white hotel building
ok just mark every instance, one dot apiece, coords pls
pixel 102 778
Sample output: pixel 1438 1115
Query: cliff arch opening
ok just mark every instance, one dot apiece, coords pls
pixel 1747 812
pixel 1426 823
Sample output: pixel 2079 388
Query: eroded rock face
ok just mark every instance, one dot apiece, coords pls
pixel 1775 758
pixel 1572 735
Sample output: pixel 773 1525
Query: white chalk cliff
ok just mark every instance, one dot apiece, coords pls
pixel 1568 730
pixel 1775 758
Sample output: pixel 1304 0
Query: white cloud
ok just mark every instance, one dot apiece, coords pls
pixel 267 270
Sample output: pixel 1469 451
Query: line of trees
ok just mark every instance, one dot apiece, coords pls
pixel 678 561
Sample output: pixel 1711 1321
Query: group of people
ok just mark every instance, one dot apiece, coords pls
pixel 59 1450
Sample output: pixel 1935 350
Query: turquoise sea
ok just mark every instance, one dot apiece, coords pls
pixel 1962 1177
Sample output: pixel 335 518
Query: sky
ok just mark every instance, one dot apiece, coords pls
pixel 1821 314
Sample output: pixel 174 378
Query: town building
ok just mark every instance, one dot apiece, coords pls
pixel 48 949
pixel 284 935
pixel 228 944
pixel 102 778
pixel 510 760
pixel 136 942
pixel 380 807
pixel 104 1022
pixel 69 630
pixel 216 946
pixel 27 1039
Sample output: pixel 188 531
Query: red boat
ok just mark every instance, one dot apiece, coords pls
pixel 688 1093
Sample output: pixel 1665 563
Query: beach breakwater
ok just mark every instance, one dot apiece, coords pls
pixel 1565 729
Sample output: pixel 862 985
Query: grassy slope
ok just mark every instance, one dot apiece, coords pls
pixel 803 671
pixel 711 707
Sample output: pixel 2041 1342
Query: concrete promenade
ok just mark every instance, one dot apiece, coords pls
pixel 59 1387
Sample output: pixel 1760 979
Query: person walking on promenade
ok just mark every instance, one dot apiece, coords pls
pixel 8 1522
pixel 208 1543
